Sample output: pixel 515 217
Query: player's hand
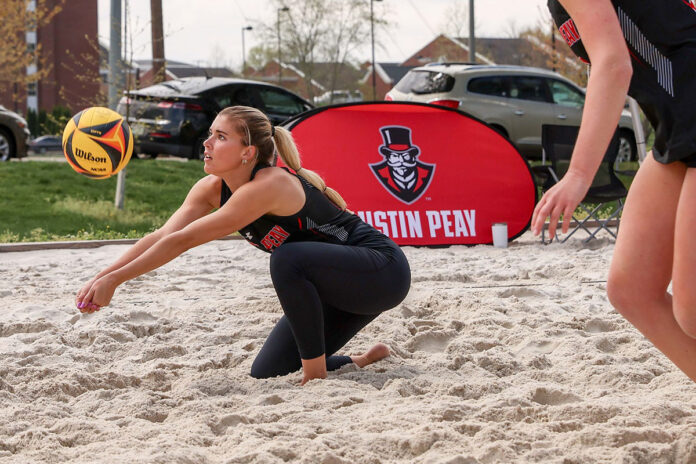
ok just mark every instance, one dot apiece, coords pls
pixel 99 295
pixel 79 298
pixel 559 200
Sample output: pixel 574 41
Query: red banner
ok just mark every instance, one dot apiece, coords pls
pixel 422 174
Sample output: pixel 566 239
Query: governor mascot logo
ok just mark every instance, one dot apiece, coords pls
pixel 400 172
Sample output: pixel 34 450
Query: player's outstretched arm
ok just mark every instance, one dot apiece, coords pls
pixel 607 87
pixel 197 204
pixel 249 202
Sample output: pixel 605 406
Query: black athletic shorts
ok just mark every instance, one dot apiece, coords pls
pixel 690 161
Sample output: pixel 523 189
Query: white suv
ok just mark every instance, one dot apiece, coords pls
pixel 515 100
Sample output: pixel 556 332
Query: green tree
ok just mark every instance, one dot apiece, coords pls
pixel 33 122
pixel 56 120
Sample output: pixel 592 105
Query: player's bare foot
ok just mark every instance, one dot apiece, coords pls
pixel 374 354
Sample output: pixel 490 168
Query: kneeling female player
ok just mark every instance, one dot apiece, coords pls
pixel 332 272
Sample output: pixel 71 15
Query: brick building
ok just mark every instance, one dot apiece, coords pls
pixel 69 56
pixel 386 77
pixel 525 51
pixel 445 48
pixel 441 48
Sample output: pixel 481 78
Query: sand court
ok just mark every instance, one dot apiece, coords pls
pixel 498 355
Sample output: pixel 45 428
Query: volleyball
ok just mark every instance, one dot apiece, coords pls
pixel 97 142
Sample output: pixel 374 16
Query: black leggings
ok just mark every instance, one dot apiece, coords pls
pixel 328 293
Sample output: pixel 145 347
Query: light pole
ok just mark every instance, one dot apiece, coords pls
pixel 472 33
pixel 245 28
pixel 553 45
pixel 280 66
pixel 372 36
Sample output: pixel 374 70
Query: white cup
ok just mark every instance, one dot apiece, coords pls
pixel 500 234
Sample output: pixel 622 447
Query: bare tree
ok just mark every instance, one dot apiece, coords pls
pixel 551 52
pixel 259 55
pixel 218 58
pixel 456 20
pixel 511 29
pixel 316 31
pixel 350 25
pixel 306 25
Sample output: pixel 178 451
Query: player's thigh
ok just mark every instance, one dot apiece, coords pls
pixel 354 279
pixel 684 268
pixel 642 261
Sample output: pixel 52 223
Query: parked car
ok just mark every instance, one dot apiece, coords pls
pixel 46 143
pixel 338 96
pixel 14 133
pixel 515 100
pixel 173 117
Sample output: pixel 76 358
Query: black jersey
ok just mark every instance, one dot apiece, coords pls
pixel 319 220
pixel 661 38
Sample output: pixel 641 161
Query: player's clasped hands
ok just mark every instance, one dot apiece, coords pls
pixel 94 295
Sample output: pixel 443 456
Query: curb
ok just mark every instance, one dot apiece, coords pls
pixel 78 244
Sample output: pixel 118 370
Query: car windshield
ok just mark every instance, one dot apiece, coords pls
pixel 424 82
pixel 279 102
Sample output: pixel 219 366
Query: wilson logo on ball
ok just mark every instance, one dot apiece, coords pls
pixel 97 142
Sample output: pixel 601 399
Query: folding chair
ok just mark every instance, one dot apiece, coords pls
pixel 558 142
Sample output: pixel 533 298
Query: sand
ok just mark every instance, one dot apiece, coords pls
pixel 499 356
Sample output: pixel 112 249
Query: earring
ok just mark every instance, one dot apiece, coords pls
pixel 244 161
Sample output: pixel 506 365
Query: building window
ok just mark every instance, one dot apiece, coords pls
pixel 31 88
pixel 31 51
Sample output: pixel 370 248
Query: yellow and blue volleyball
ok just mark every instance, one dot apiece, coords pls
pixel 97 142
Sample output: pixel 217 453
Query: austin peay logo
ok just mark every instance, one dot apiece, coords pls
pixel 401 173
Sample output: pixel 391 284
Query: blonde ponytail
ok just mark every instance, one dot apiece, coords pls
pixel 255 129
pixel 291 157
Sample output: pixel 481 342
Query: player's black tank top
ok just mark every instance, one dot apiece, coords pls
pixel 319 220
pixel 661 38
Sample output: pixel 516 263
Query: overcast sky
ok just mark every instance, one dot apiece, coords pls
pixel 198 31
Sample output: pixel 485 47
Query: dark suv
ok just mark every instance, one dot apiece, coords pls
pixel 13 134
pixel 173 117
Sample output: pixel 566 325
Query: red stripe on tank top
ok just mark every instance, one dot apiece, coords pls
pixel 299 222
pixel 688 3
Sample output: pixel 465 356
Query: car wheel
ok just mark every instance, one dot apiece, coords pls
pixel 7 146
pixel 627 148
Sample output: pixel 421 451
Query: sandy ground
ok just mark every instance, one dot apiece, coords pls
pixel 499 356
